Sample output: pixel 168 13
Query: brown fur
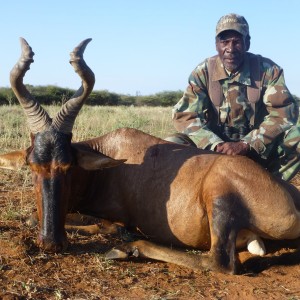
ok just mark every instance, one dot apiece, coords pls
pixel 181 196
pixel 177 186
pixel 175 195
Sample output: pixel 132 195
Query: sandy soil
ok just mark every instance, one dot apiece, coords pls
pixel 81 273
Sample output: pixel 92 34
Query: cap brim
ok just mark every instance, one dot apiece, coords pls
pixel 230 26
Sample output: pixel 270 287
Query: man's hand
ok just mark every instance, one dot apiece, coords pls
pixel 233 148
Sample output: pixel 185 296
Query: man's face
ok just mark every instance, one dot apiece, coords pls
pixel 231 48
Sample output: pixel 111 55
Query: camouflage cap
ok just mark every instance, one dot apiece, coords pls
pixel 233 22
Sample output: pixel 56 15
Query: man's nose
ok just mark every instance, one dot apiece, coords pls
pixel 230 47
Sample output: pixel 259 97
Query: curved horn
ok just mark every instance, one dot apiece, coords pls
pixel 65 118
pixel 38 118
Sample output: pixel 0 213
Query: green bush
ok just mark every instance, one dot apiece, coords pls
pixel 54 95
pixel 7 97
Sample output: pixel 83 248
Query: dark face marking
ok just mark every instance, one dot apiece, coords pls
pixel 51 146
pixel 50 160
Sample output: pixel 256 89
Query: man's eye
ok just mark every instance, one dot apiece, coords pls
pixel 237 42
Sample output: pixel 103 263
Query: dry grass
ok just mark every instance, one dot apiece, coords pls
pixel 91 122
pixel 26 272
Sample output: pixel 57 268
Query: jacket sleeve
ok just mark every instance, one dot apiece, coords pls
pixel 282 111
pixel 190 114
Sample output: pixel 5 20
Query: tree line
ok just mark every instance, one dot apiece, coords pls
pixel 54 95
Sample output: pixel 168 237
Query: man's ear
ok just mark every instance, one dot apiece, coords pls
pixel 247 42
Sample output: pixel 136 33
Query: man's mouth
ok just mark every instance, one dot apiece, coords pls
pixel 234 58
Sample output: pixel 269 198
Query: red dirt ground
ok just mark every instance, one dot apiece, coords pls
pixel 81 273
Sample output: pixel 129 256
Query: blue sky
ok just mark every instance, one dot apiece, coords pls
pixel 140 46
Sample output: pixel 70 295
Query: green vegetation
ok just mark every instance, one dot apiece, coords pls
pixel 51 95
pixel 54 95
pixel 92 121
pixel 104 111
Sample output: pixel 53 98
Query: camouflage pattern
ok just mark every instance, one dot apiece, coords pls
pixel 233 22
pixel 289 154
pixel 275 114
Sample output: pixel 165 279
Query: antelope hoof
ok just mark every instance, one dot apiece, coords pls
pixel 116 254
pixel 121 254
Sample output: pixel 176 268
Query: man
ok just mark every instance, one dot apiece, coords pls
pixel 237 103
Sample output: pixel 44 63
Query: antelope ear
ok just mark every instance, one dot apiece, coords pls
pixel 91 160
pixel 14 160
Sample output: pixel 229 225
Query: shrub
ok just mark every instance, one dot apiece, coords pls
pixel 52 95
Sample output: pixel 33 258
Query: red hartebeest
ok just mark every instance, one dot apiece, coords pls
pixel 174 194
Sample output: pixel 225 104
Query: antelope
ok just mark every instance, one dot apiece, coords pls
pixel 177 196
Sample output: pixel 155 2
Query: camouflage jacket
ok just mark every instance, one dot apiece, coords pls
pixel 275 112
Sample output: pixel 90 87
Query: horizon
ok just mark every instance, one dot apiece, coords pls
pixel 139 48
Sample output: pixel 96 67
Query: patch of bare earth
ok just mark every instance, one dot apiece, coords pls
pixel 82 272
